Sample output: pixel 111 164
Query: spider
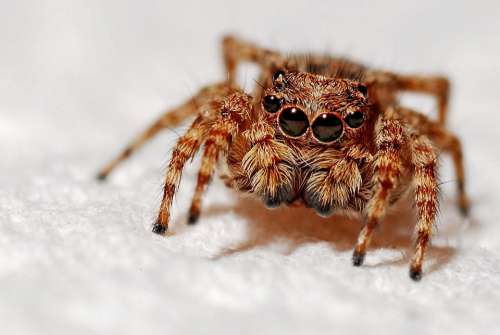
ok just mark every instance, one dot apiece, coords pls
pixel 318 131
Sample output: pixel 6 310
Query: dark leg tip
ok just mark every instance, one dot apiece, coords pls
pixel 101 177
pixel 193 218
pixel 159 229
pixel 415 274
pixel 358 258
pixel 464 210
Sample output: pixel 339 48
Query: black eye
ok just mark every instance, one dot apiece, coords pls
pixel 355 119
pixel 279 79
pixel 363 89
pixel 271 103
pixel 278 75
pixel 327 127
pixel 293 122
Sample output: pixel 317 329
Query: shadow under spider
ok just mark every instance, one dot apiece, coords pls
pixel 300 225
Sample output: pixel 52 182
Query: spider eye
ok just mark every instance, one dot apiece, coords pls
pixel 279 79
pixel 355 119
pixel 363 89
pixel 327 127
pixel 293 122
pixel 278 76
pixel 271 103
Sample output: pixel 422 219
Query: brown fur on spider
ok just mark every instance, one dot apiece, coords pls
pixel 319 131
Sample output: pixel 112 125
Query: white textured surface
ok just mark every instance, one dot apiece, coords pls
pixel 79 78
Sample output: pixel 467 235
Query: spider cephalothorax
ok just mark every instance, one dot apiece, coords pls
pixel 317 109
pixel 322 120
pixel 319 131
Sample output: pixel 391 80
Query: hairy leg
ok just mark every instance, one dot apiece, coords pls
pixel 434 85
pixel 424 160
pixel 234 110
pixel 449 142
pixel 184 150
pixel 220 120
pixel 171 118
pixel 444 140
pixel 236 50
pixel 391 139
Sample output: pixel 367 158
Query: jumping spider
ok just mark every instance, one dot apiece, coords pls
pixel 319 131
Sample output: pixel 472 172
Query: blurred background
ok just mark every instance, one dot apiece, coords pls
pixel 78 79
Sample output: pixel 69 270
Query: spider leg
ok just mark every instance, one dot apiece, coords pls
pixel 237 50
pixel 424 161
pixel 169 119
pixel 449 142
pixel 213 129
pixel 444 140
pixel 435 85
pixel 390 140
pixel 217 142
pixel 185 149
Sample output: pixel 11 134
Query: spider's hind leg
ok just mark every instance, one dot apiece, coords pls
pixel 435 85
pixel 236 50
pixel 170 118
pixel 449 142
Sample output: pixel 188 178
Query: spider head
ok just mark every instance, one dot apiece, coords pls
pixel 317 109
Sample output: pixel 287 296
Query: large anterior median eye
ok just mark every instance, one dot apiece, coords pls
pixel 327 127
pixel 354 120
pixel 293 121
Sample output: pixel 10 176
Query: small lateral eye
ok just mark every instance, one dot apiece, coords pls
pixel 271 103
pixel 278 76
pixel 293 122
pixel 355 119
pixel 327 127
pixel 363 89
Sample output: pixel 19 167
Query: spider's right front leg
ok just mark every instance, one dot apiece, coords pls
pixel 214 129
pixel 185 149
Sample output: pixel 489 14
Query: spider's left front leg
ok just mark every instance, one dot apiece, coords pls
pixel 390 140
pixel 394 145
pixel 424 161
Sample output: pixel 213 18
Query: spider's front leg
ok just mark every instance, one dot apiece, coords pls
pixel 214 128
pixel 424 160
pixel 394 145
pixel 391 139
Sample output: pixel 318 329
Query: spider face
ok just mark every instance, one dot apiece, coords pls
pixel 315 108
